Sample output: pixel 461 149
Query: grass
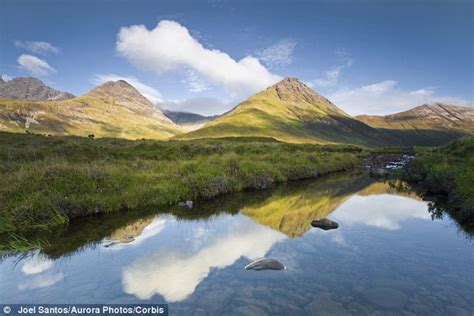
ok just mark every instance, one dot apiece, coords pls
pixel 448 173
pixel 47 181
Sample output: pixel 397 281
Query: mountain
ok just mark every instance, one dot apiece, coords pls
pixel 29 88
pixel 187 120
pixel 426 118
pixel 114 109
pixel 290 111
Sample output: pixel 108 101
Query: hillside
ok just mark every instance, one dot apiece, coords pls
pixel 29 88
pixel 188 121
pixel 289 111
pixel 425 118
pixel 114 109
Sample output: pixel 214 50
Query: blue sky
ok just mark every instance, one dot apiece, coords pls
pixel 375 57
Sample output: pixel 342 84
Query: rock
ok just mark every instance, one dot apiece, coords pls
pixel 265 264
pixel 29 88
pixel 324 223
pixel 187 203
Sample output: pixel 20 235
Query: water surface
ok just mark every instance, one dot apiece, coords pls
pixel 387 256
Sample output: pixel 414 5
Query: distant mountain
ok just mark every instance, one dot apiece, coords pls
pixel 290 111
pixel 426 118
pixel 29 88
pixel 187 120
pixel 114 109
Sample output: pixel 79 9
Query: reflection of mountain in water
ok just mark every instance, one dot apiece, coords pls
pixel 289 209
pixel 292 208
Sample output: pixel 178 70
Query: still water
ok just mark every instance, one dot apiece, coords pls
pixel 387 257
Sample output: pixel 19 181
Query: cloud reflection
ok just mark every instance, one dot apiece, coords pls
pixel 383 211
pixel 175 274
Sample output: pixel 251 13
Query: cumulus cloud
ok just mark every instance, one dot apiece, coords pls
pixel 195 83
pixel 170 47
pixel 147 91
pixel 386 97
pixel 279 54
pixel 199 105
pixel 38 47
pixel 35 65
pixel 331 77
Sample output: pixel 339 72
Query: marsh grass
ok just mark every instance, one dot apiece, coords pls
pixel 46 181
pixel 448 173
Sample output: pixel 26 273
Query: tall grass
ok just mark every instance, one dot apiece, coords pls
pixel 49 180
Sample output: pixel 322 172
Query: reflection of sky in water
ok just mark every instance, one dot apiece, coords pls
pixel 386 255
pixel 175 273
pixel 382 211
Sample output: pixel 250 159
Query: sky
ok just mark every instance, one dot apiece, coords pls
pixel 367 57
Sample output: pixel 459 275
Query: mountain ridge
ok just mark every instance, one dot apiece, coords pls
pixel 113 109
pixel 425 117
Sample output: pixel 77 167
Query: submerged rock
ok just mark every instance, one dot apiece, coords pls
pixel 324 223
pixel 265 264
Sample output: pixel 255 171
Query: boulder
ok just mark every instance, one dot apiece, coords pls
pixel 265 264
pixel 324 223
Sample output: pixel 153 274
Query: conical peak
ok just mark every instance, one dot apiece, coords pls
pixel 119 91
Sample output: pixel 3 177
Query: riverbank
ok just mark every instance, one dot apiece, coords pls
pixel 445 175
pixel 49 180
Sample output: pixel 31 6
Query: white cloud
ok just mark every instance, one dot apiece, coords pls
pixel 6 77
pixel 41 281
pixel 148 92
pixel 38 47
pixel 382 211
pixel 386 97
pixel 176 273
pixel 279 54
pixel 195 83
pixel 169 47
pixel 331 77
pixel 36 264
pixel 34 65
pixel 200 105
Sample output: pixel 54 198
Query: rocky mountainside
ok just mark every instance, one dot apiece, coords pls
pixel 29 88
pixel 427 117
pixel 123 94
pixel 114 109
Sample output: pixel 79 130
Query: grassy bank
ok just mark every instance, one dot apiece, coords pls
pixel 49 180
pixel 448 174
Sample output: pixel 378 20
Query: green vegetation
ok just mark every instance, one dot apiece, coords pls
pixel 447 173
pixel 46 181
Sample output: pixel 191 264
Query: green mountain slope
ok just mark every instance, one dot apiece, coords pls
pixel 289 111
pixel 292 112
pixel 114 109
